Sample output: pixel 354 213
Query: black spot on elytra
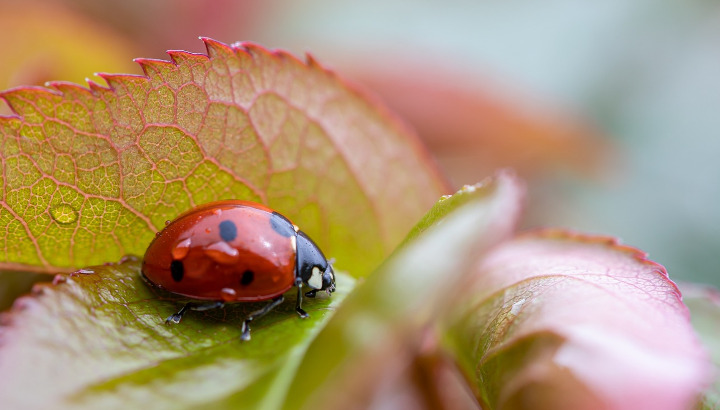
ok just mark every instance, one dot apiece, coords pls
pixel 177 269
pixel 228 230
pixel 247 278
pixel 281 225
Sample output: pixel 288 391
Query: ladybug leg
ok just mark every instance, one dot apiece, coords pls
pixel 177 317
pixel 298 304
pixel 259 313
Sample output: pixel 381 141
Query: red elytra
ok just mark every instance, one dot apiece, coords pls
pixel 253 263
pixel 235 251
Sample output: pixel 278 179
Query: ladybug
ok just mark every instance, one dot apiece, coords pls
pixel 235 251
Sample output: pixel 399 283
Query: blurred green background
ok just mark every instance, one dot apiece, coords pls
pixel 609 109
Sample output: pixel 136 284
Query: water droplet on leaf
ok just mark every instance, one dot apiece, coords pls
pixel 63 214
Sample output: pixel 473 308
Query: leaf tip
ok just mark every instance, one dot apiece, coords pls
pixel 312 61
pixel 179 57
pixel 119 81
pixel 215 47
pixel 251 49
pixel 65 87
pixel 94 86
pixel 151 66
pixel 15 95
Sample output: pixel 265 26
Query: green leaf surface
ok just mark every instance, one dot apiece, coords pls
pixel 89 175
pixel 97 340
pixel 467 193
pixel 704 305
pixel 378 331
pixel 568 321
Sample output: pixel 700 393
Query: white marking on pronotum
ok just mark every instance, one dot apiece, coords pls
pixel 315 281
pixel 293 243
pixel 295 227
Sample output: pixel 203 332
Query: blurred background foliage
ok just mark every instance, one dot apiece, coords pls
pixel 609 109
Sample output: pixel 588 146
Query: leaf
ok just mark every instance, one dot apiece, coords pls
pixel 563 320
pixel 704 304
pixel 467 193
pixel 89 175
pixel 378 331
pixel 98 340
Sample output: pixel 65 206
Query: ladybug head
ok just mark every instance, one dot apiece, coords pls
pixel 328 279
pixel 312 267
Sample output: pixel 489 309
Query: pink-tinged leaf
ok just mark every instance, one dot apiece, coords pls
pixel 89 175
pixel 562 320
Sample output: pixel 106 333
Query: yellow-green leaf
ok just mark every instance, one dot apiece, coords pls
pixel 89 175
